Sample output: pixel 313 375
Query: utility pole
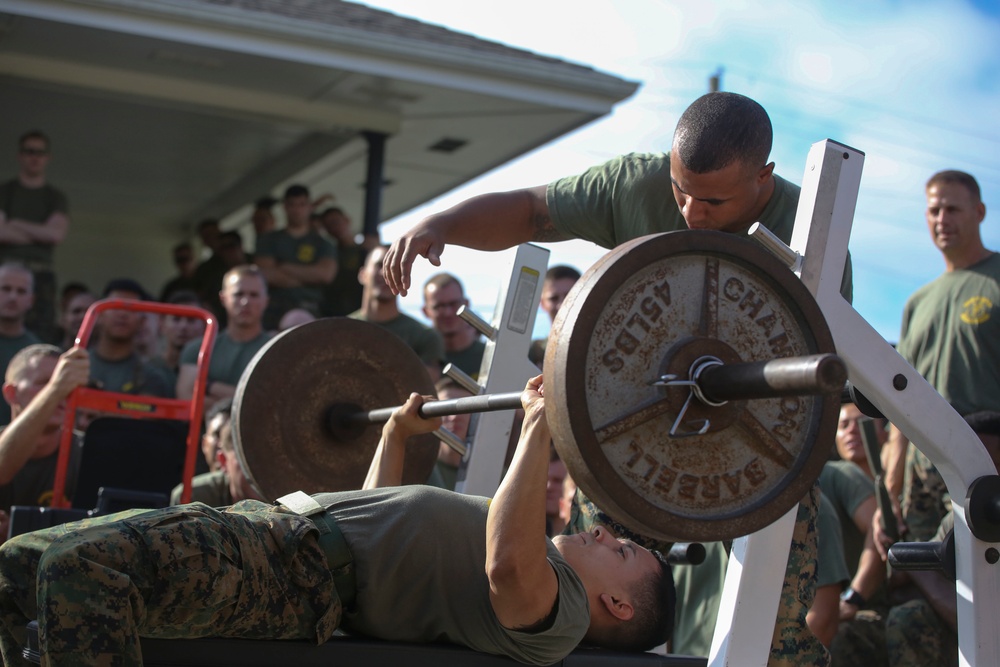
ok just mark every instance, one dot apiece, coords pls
pixel 714 81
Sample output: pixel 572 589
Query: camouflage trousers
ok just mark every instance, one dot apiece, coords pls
pixel 97 585
pixel 792 644
pixel 916 635
pixel 925 496
pixel 860 641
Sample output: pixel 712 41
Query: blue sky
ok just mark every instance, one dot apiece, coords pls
pixel 914 85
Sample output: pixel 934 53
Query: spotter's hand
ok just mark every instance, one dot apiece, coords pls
pixel 423 240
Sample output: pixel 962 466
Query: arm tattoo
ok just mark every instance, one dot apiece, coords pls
pixel 545 231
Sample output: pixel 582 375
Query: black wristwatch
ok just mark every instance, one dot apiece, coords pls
pixel 851 596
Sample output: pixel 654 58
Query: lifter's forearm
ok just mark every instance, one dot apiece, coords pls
pixel 387 464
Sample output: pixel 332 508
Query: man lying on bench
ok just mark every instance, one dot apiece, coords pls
pixel 411 563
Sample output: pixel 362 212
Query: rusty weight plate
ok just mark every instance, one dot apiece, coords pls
pixel 279 411
pixel 652 307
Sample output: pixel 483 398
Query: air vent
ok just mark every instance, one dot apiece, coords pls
pixel 447 145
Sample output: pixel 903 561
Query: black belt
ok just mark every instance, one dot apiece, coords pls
pixel 331 541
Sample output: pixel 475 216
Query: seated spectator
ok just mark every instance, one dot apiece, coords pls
pixel 72 316
pixel 463 346
pixel 36 386
pixel 67 294
pixel 16 297
pixel 380 306
pixel 183 255
pixel 115 364
pixel 922 627
pixel 297 262
pixel 556 515
pixel 215 418
pixel 224 486
pixel 294 318
pixel 849 485
pixel 244 296
pixel 559 280
pixel 176 332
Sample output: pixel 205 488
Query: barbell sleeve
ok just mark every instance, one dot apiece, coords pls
pixel 793 376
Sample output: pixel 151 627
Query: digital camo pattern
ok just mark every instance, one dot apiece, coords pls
pixel 188 571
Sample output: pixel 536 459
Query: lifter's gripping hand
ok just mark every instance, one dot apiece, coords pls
pixel 387 465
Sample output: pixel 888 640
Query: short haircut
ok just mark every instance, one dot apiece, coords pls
pixel 959 178
pixel 654 600
pixel 443 279
pixel 562 272
pixel 719 129
pixel 207 222
pixel 332 209
pixel 984 422
pixel 265 203
pixel 184 297
pixel 231 235
pixel 223 406
pixel 244 271
pixel 17 267
pixel 183 245
pixel 20 362
pixel 296 190
pixel 125 285
pixel 35 134
pixel 70 290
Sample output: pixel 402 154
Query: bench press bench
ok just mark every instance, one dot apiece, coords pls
pixel 345 650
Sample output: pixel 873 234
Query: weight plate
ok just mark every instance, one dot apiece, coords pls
pixel 649 308
pixel 280 427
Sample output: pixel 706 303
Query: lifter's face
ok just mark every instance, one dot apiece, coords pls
pixel 726 200
pixel 604 563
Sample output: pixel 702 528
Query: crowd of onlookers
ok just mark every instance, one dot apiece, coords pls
pixel 314 266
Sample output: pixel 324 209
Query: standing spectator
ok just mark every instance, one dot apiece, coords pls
pixel 16 297
pixel 380 306
pixel 115 364
pixel 463 346
pixel 36 385
pixel 34 219
pixel 227 483
pixel 297 262
pixel 262 217
pixel 559 280
pixel 950 332
pixel 72 317
pixel 343 295
pixel 183 254
pixel 208 274
pixel 244 296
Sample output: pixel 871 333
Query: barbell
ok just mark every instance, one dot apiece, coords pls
pixel 691 388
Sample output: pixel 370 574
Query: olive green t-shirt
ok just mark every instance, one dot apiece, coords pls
pixel 31 205
pixel 420 567
pixel 32 485
pixel 423 340
pixel 470 359
pixel 846 486
pixel 306 250
pixel 831 568
pixel 951 335
pixel 229 357
pixel 631 196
